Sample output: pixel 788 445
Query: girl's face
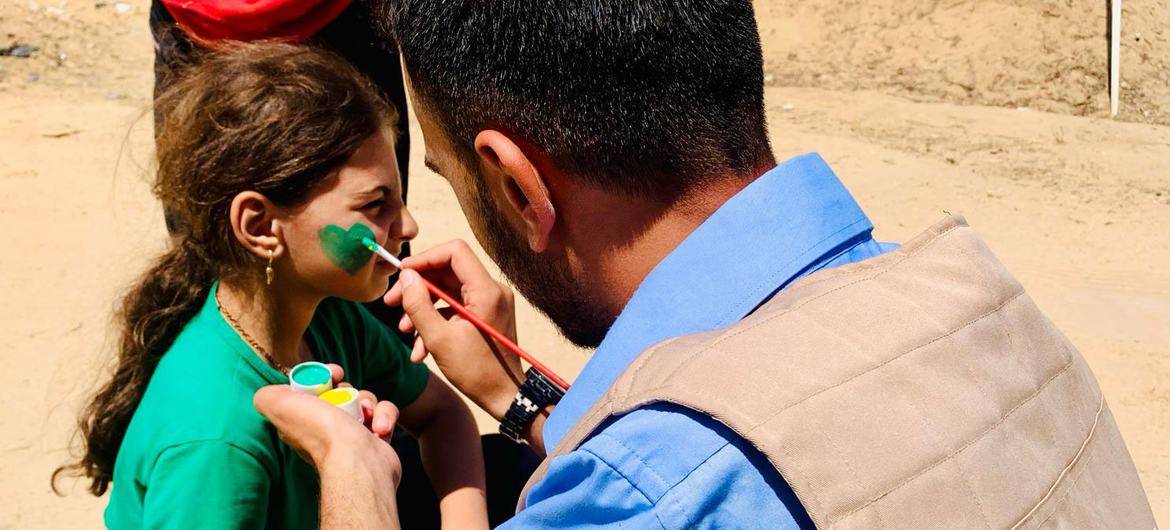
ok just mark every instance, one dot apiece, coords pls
pixel 323 237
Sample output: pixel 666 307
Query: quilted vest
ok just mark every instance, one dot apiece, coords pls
pixel 921 388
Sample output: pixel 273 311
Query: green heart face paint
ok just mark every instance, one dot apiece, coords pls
pixel 344 247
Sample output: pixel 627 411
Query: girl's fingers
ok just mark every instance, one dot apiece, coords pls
pixel 337 372
pixel 385 416
pixel 368 401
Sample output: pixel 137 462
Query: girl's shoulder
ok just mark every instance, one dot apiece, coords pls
pixel 196 425
pixel 201 392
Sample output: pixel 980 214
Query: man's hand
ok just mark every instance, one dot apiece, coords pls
pixel 472 361
pixel 322 433
pixel 315 428
pixel 359 470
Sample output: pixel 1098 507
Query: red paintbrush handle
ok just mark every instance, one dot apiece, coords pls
pixel 500 337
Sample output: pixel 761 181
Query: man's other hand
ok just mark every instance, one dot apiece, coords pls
pixel 328 437
pixel 481 369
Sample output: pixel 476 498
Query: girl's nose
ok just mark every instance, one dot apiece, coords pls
pixel 406 227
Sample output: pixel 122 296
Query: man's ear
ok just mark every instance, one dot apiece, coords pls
pixel 523 185
pixel 253 219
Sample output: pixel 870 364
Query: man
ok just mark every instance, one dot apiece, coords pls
pixel 761 361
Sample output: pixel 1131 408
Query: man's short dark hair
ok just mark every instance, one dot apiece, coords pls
pixel 647 97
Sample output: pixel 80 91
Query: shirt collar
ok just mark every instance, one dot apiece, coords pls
pixel 213 319
pixel 777 229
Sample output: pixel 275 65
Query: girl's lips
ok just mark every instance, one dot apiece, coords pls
pixel 382 264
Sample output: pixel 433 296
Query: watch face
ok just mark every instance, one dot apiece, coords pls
pixel 545 391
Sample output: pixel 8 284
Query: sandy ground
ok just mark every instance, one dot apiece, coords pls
pixel 1075 205
pixel 1048 55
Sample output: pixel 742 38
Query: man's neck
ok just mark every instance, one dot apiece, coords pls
pixel 273 317
pixel 618 240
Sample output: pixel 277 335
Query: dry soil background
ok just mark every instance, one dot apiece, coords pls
pixel 1044 54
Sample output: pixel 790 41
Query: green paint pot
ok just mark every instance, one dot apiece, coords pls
pixel 311 378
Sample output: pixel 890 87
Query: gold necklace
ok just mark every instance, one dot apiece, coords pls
pixel 248 338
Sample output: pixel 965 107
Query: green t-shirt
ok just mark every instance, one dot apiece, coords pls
pixel 198 455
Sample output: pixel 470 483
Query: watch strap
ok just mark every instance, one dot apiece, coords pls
pixel 535 393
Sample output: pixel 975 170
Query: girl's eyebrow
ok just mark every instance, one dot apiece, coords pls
pixel 379 190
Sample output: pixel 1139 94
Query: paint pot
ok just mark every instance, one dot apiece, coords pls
pixel 311 378
pixel 345 398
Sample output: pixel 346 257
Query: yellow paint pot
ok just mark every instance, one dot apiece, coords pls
pixel 345 398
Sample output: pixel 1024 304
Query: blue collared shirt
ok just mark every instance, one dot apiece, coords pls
pixel 665 466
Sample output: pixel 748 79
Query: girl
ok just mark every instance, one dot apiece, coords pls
pixel 273 156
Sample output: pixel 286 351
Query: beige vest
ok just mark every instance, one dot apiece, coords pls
pixel 918 389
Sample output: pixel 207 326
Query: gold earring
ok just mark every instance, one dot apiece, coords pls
pixel 268 272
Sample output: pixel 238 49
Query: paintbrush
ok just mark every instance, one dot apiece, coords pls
pixel 467 314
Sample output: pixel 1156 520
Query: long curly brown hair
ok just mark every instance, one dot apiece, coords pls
pixel 278 119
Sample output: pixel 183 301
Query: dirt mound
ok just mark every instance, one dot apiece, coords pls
pixel 1048 55
pixel 1043 54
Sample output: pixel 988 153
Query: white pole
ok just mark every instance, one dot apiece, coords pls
pixel 1114 56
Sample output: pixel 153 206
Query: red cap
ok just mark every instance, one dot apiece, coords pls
pixel 249 20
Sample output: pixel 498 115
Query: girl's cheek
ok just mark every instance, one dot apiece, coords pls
pixel 345 247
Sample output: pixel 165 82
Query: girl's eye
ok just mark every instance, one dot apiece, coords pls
pixel 373 204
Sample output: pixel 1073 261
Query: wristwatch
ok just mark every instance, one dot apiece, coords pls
pixel 536 393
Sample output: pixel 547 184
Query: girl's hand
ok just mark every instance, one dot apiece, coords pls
pixel 487 373
pixel 379 417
